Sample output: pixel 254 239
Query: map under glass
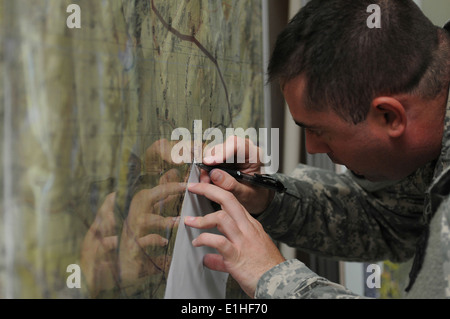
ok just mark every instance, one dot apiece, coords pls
pixel 90 196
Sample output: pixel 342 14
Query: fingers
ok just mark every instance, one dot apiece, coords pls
pixel 145 199
pixel 224 180
pixel 158 156
pixel 160 192
pixel 215 262
pixel 169 206
pixel 143 214
pixel 218 242
pixel 143 224
pixel 204 177
pixel 157 222
pixel 243 150
pixel 152 240
pixel 104 222
pixel 225 199
pixel 172 175
pixel 245 251
pixel 227 182
pixel 220 220
pixel 109 243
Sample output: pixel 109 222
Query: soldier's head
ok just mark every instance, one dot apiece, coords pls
pixel 356 86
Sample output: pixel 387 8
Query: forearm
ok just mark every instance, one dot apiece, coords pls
pixel 332 215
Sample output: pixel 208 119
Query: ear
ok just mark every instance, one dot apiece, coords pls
pixel 388 114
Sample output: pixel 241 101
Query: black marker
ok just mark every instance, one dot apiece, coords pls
pixel 262 180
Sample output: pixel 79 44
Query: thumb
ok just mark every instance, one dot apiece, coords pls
pixel 254 199
pixel 214 262
pixel 224 180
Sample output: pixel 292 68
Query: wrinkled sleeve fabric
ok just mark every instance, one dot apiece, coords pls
pixel 293 280
pixel 445 243
pixel 341 216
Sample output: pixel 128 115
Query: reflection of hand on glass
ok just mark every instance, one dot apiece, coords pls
pixel 152 215
pixel 144 231
pixel 109 262
pixel 98 258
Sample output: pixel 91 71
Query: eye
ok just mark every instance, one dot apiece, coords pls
pixel 315 132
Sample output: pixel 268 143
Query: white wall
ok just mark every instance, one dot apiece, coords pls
pixel 438 11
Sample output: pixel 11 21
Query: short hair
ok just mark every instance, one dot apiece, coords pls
pixel 347 64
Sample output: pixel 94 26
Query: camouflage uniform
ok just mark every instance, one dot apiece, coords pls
pixel 342 216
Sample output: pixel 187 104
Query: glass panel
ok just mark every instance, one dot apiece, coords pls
pixel 90 195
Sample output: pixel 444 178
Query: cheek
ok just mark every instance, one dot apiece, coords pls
pixel 354 150
pixel 369 157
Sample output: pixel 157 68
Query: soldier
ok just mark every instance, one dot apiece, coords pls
pixel 375 100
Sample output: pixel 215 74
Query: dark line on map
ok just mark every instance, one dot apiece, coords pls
pixel 192 39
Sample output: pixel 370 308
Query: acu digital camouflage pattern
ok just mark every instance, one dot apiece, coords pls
pixel 347 218
pixel 441 200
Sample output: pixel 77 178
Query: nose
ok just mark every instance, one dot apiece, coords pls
pixel 315 144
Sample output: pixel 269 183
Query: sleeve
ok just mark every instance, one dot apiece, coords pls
pixel 341 216
pixel 293 280
pixel 445 244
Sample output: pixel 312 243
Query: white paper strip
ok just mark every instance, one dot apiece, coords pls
pixel 188 278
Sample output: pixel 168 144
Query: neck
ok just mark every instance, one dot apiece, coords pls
pixel 427 118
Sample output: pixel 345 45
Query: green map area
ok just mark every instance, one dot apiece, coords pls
pixel 87 116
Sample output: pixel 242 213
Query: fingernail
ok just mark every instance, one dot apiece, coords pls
pixel 216 175
pixel 164 241
pixel 192 185
pixel 189 219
